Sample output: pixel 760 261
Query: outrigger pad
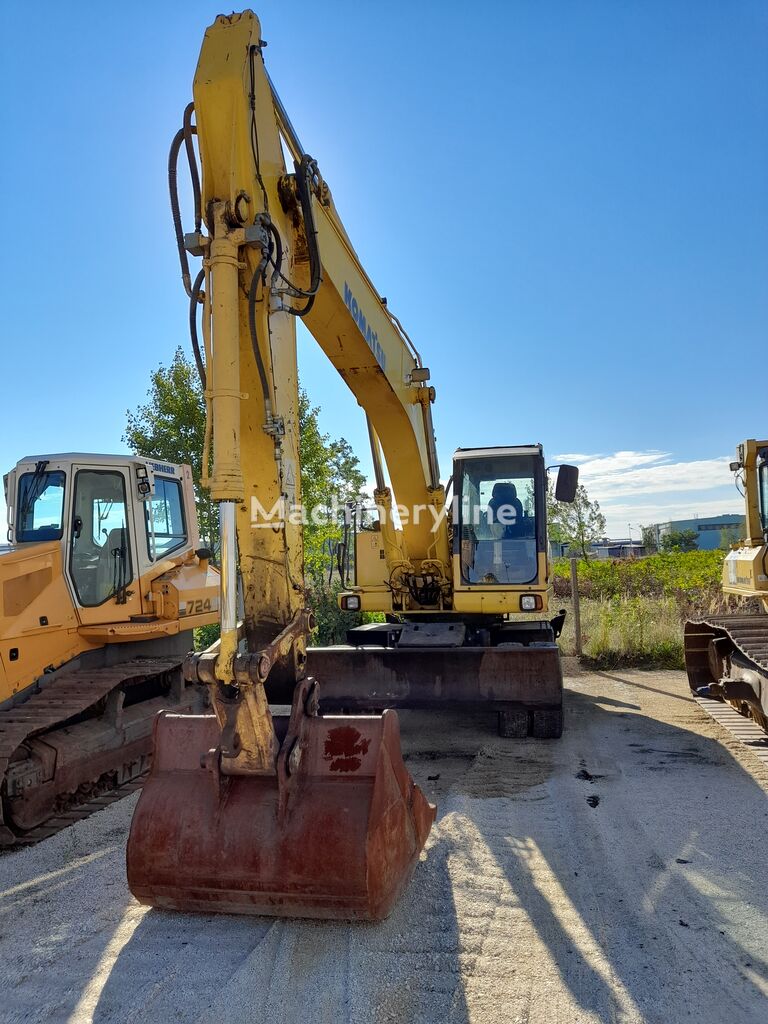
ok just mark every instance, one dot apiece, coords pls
pixel 340 839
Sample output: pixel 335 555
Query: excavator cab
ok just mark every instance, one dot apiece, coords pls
pixel 102 550
pixel 499 532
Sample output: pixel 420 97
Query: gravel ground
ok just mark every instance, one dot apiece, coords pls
pixel 616 875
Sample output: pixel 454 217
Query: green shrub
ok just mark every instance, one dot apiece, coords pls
pixel 206 635
pixel 688 575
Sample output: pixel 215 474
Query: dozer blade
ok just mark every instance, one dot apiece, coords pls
pixel 337 838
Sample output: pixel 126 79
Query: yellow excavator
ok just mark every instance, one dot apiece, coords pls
pixel 314 814
pixel 101 585
pixel 726 656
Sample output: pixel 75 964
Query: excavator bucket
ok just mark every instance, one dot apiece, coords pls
pixel 335 833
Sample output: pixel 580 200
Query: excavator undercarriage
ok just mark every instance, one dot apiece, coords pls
pixel 81 739
pixel 726 658
pixel 522 684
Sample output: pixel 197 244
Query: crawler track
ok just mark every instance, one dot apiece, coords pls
pixel 77 812
pixel 726 658
pixel 82 742
pixel 738 726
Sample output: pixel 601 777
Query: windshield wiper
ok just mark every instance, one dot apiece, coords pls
pixel 34 491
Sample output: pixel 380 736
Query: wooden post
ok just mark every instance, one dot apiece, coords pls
pixel 575 599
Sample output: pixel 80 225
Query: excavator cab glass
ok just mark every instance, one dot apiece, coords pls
pixel 164 518
pixel 41 506
pixel 500 515
pixel 100 553
pixel 762 487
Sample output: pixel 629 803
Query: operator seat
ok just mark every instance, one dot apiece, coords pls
pixel 504 496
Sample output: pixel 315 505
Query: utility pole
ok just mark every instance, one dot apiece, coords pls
pixel 575 599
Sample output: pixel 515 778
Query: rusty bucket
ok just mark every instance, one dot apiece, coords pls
pixel 335 833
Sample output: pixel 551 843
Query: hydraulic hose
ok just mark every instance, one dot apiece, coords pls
pixel 303 172
pixel 184 135
pixel 193 303
pixel 173 189
pixel 190 130
pixel 257 276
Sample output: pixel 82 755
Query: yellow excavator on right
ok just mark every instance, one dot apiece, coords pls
pixel 726 656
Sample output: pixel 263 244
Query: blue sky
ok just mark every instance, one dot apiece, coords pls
pixel 566 203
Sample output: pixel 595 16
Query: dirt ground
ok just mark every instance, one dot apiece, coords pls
pixel 619 874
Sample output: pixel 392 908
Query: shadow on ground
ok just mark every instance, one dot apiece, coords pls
pixel 605 876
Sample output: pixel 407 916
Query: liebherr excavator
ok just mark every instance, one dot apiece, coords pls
pixel 726 656
pixel 101 586
pixel 313 814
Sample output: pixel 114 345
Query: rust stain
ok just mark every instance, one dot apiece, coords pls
pixel 345 748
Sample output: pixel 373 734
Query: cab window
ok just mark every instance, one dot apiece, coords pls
pixel 40 513
pixel 763 491
pixel 164 518
pixel 498 520
pixel 100 557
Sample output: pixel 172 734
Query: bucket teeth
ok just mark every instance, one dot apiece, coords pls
pixel 336 832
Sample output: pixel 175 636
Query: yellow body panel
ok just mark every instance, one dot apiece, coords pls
pixel 35 590
pixel 370 561
pixel 745 570
pixel 42 626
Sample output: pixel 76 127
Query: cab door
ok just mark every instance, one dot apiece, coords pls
pixel 102 562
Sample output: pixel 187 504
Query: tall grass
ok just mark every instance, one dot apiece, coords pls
pixel 633 611
pixel 617 631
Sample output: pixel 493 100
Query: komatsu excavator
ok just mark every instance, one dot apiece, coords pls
pixel 312 814
pixel 726 656
pixel 100 587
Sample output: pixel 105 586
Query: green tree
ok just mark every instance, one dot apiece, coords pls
pixel 330 477
pixel 648 534
pixel 170 426
pixel 729 536
pixel 680 540
pixel 576 524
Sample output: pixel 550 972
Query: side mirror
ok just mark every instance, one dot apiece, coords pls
pixel 566 484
